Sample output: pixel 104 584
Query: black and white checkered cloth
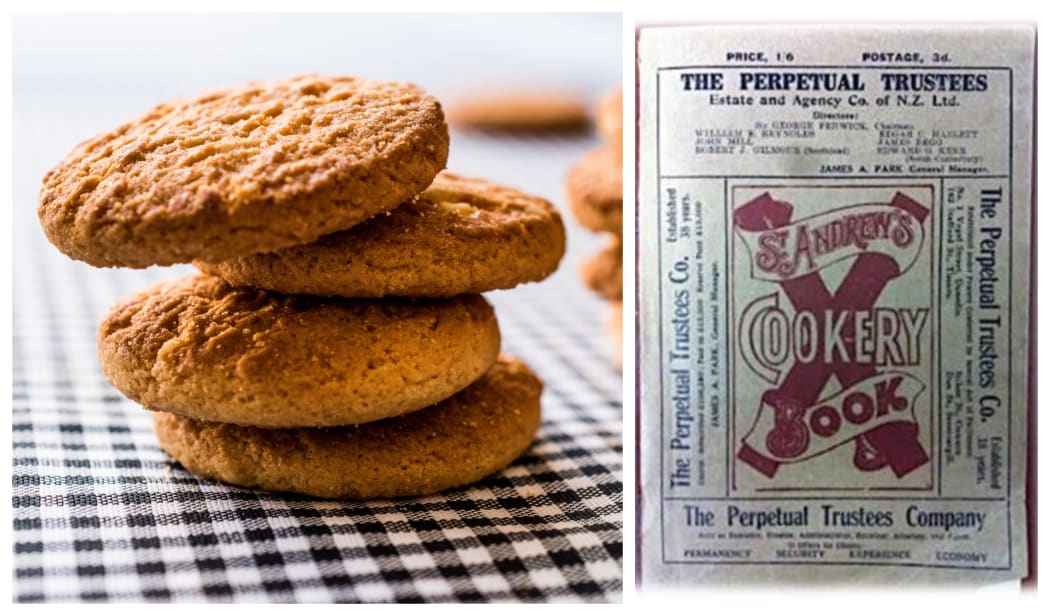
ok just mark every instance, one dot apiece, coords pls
pixel 102 514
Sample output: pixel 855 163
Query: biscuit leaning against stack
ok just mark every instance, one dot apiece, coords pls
pixel 336 343
pixel 595 193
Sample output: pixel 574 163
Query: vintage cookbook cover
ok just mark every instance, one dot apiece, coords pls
pixel 834 241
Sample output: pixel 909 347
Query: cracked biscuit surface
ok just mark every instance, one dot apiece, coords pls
pixel 461 235
pixel 455 442
pixel 198 347
pixel 234 172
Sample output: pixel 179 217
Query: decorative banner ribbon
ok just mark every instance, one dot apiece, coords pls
pixel 804 433
pixel 811 244
pixel 893 443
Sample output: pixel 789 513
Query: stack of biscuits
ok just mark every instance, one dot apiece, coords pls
pixel 595 194
pixel 335 342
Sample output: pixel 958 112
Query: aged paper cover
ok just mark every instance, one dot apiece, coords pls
pixel 834 241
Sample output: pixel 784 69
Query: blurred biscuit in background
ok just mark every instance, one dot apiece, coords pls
pixel 609 117
pixel 519 112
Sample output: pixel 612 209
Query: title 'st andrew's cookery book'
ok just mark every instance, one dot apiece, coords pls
pixel 835 255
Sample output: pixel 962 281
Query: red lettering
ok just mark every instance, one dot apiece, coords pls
pixel 825 421
pixel 903 234
pixel 858 407
pixel 886 398
pixel 771 254
pixel 802 249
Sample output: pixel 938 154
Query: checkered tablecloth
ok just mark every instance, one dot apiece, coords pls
pixel 102 514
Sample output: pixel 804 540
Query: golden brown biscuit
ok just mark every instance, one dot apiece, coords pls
pixel 519 111
pixel 461 235
pixel 603 272
pixel 198 347
pixel 452 443
pixel 614 328
pixel 610 118
pixel 595 190
pixel 259 167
